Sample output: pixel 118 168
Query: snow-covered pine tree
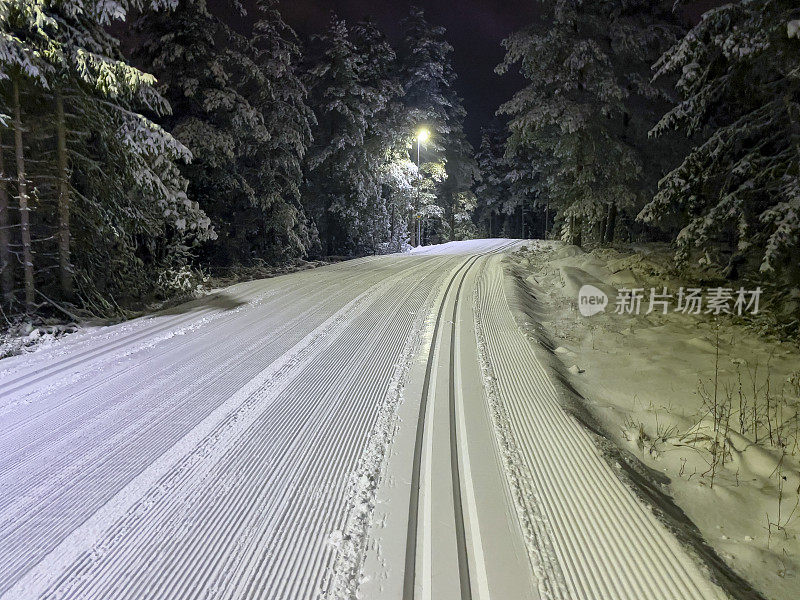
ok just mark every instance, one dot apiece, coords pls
pixel 738 190
pixel 337 98
pixel 428 79
pixel 462 173
pixel 526 202
pixel 133 212
pixel 119 183
pixel 388 139
pixel 27 54
pixel 589 104
pixel 493 189
pixel 6 258
pixel 399 177
pixel 464 206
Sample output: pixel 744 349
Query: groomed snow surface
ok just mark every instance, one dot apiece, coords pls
pixel 379 428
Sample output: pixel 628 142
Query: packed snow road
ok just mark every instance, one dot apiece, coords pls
pixel 379 428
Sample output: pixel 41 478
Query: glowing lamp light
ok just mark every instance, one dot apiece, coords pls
pixel 423 135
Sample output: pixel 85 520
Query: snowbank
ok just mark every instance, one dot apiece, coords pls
pixel 704 401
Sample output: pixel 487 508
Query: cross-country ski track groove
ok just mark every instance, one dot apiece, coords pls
pixel 413 519
pixel 210 451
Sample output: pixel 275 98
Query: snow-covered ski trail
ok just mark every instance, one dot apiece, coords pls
pixel 455 284
pixel 509 496
pixel 230 448
pixel 199 482
pixel 595 538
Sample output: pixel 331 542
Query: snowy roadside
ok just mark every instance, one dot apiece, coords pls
pixel 26 336
pixel 23 335
pixel 733 465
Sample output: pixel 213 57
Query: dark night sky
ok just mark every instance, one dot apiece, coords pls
pixel 475 29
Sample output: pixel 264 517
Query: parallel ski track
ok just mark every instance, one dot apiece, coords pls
pixel 409 577
pixel 251 519
pixel 607 543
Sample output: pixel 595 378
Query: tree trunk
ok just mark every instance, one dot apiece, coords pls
pixel 611 219
pixel 576 232
pixel 24 210
pixel 395 244
pixel 64 265
pixel 6 266
pixel 546 221
pixel 453 219
pixel 601 237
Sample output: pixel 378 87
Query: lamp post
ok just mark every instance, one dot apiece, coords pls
pixel 422 136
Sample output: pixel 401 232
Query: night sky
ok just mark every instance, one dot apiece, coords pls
pixel 475 29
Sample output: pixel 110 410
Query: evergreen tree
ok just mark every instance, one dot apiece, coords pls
pixel 432 101
pixel 351 95
pixel 119 183
pixel 589 104
pixel 493 188
pixel 275 165
pixel 386 139
pixel 223 98
pixel 526 203
pixel 509 188
pixel 738 190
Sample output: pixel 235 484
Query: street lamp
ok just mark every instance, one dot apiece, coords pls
pixel 423 135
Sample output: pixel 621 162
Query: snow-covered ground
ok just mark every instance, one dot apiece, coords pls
pixel 649 382
pixel 379 428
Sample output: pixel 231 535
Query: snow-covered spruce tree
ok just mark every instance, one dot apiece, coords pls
pixel 493 189
pixel 120 208
pixel 134 226
pixel 274 165
pixel 462 173
pixel 508 194
pixel 463 226
pixel 589 105
pixel 27 54
pixel 399 177
pixel 526 202
pixel 217 114
pixel 738 190
pixel 352 91
pixel 343 109
pixel 428 79
pixel 386 139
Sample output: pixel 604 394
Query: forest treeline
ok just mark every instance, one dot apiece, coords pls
pixel 634 126
pixel 143 142
pixel 201 146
